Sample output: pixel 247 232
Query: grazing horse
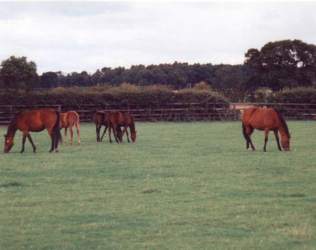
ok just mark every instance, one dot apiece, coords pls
pixel 116 120
pixel 265 119
pixel 34 121
pixel 68 120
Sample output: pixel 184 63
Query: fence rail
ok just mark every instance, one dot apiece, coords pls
pixel 173 111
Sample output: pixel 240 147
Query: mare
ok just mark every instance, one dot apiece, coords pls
pixel 265 119
pixel 118 119
pixel 34 121
pixel 68 120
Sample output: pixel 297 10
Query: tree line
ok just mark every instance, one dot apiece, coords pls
pixel 277 65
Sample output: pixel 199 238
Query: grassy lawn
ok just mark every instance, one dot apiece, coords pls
pixel 180 186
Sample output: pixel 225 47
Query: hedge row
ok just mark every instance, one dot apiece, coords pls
pixel 153 96
pixel 124 95
pixel 294 95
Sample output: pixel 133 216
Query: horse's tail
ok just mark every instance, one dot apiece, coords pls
pixel 56 130
pixel 283 122
pixel 94 117
pixel 244 130
pixel 77 122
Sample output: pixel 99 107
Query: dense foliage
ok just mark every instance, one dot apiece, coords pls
pixel 282 64
pixel 122 95
pixel 277 65
pixel 18 73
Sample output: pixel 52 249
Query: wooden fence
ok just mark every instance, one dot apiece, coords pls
pixel 173 111
pixel 291 111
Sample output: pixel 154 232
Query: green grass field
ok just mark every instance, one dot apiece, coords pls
pixel 180 186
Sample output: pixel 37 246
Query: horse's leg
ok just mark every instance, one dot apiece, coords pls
pixel 65 132
pixel 97 131
pixel 126 131
pixel 115 133
pixel 78 131
pixel 110 138
pixel 277 139
pixel 244 128
pixel 31 141
pixel 23 142
pixel 104 131
pixel 71 135
pixel 249 131
pixel 53 142
pixel 266 134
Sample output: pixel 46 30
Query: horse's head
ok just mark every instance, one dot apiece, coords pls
pixel 285 141
pixel 133 136
pixel 8 143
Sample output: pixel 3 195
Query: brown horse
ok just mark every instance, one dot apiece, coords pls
pixel 68 120
pixel 34 121
pixel 116 120
pixel 265 119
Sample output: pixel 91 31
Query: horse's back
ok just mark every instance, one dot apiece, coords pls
pixel 247 115
pixel 261 118
pixel 72 117
pixel 69 118
pixel 36 120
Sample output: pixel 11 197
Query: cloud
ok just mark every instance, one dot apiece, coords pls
pixel 74 36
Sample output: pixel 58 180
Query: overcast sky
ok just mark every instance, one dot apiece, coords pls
pixel 76 36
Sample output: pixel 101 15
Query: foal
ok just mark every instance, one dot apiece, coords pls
pixel 116 120
pixel 68 120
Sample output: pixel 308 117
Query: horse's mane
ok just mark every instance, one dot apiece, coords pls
pixel 132 125
pixel 12 125
pixel 283 122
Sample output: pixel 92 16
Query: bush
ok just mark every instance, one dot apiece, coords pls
pixel 295 95
pixel 125 94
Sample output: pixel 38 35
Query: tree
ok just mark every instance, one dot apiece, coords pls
pixel 286 63
pixel 49 79
pixel 18 73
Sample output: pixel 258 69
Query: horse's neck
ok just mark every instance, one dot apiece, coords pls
pixel 283 133
pixel 12 129
pixel 132 126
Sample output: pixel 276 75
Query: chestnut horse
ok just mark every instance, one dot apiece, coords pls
pixel 68 120
pixel 116 120
pixel 265 119
pixel 34 121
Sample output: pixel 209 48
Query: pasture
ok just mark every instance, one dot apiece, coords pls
pixel 180 186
